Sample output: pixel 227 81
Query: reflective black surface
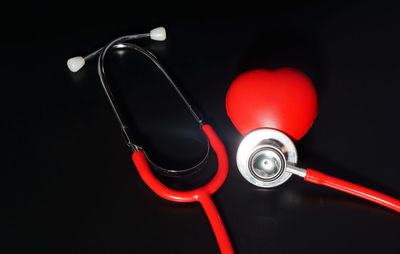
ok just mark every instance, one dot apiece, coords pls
pixel 68 182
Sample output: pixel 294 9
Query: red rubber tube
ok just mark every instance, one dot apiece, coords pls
pixel 201 194
pixel 317 177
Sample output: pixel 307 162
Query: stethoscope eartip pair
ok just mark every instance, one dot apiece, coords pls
pixel 76 63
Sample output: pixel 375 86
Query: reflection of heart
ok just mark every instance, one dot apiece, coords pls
pixel 283 99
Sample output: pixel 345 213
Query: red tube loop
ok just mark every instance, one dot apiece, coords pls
pixel 317 177
pixel 201 194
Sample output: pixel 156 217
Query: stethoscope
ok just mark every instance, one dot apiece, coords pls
pixel 269 108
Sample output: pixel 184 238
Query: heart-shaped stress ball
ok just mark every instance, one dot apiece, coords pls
pixel 282 99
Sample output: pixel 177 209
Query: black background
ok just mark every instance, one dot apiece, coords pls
pixel 69 185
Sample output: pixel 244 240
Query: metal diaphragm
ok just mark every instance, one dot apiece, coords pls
pixel 263 156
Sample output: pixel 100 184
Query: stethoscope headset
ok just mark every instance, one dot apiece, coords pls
pixel 271 109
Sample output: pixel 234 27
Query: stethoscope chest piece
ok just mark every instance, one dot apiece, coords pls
pixel 263 157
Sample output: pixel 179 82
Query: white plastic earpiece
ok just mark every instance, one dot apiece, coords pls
pixel 76 63
pixel 158 34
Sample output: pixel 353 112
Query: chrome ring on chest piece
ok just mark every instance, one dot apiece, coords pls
pixel 264 156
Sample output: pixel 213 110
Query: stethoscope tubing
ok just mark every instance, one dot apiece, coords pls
pixel 201 194
pixel 316 177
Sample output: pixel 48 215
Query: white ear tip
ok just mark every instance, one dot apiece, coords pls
pixel 76 63
pixel 158 34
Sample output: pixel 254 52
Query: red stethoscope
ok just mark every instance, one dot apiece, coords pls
pixel 269 108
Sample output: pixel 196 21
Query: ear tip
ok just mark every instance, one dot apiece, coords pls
pixel 75 63
pixel 158 34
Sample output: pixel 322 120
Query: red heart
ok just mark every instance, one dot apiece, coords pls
pixel 283 99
